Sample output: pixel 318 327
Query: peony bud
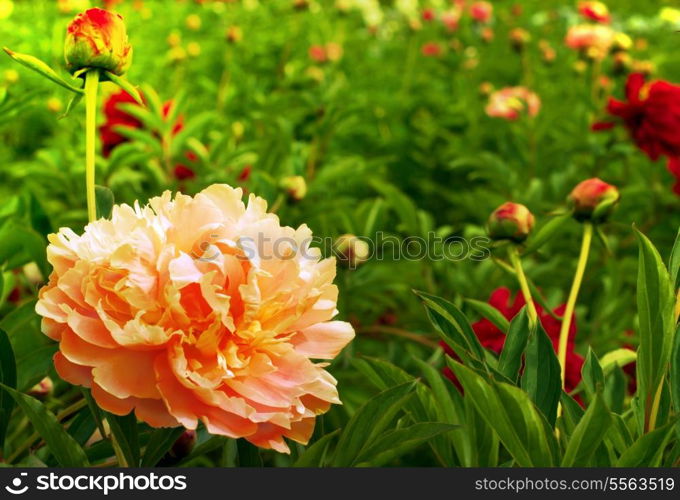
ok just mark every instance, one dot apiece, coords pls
pixel 184 445
pixel 352 250
pixel 593 200
pixel 295 186
pixel 510 221
pixel 42 389
pixel 234 34
pixel 519 38
pixel 96 38
pixel 193 22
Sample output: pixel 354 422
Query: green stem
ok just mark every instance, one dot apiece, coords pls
pixel 523 284
pixel 573 295
pixel 91 83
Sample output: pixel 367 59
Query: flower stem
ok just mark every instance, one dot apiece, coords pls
pixel 91 83
pixel 573 295
pixel 523 284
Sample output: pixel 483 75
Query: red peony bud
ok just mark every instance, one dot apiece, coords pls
pixel 42 389
pixel 97 38
pixel 593 200
pixel 510 221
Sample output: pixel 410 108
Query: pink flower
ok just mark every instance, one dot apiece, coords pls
pixel 594 11
pixel 481 11
pixel 178 311
pixel 431 49
pixel 509 103
pixel 594 40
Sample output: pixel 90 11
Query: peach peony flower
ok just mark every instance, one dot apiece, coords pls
pixel 197 308
pixel 510 102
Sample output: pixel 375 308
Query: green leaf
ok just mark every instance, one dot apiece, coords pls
pixel 315 455
pixel 126 86
pixel 674 263
pixel 369 421
pixel 592 374
pixel 8 377
pixel 545 233
pixel 615 386
pixel 617 357
pixel 489 312
pixel 520 426
pixel 72 103
pixel 647 451
pixel 455 327
pixel 675 372
pixel 159 444
pixel 124 430
pixel 588 434
pixel 656 302
pixel 510 359
pixel 65 449
pixel 395 443
pixel 542 375
pixel 43 69
pixel 104 202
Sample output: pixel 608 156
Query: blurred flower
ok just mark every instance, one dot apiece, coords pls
pixel 651 113
pixel 96 38
pixel 234 34
pixel 317 53
pixel 245 173
pixel 182 173
pixel 300 4
pixel 333 51
pixel 593 199
pixel 487 34
pixel 595 11
pixel 450 19
pixel 217 329
pixel 510 221
pixel 193 49
pixel 54 105
pixel 10 76
pixel 42 389
pixel 6 8
pixel 673 166
pixel 481 11
pixel 116 117
pixel 510 102
pixel 70 6
pixel 295 186
pixel 622 41
pixel 352 250
pixel 431 49
pixel 485 89
pixel 493 339
pixel 592 40
pixel 174 39
pixel 548 53
pixel 646 68
pixel 622 62
pixel 519 38
pixel 33 274
pixel 193 22
pixel 641 44
pixel 670 15
pixel 429 15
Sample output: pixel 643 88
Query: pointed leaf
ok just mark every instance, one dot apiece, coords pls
pixel 43 69
pixel 588 434
pixel 542 375
pixel 516 341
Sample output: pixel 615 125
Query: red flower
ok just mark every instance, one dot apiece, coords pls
pixel 115 117
pixel 182 172
pixel 431 49
pixel 651 114
pixel 493 339
pixel 674 168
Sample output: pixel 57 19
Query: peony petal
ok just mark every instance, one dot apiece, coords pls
pixel 323 340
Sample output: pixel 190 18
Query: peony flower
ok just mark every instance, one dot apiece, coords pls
pixel 481 11
pixel 197 309
pixel 317 53
pixel 493 339
pixel 510 102
pixel 510 221
pixel 451 18
pixel 593 40
pixel 431 49
pixel 595 11
pixel 593 199
pixel 96 38
pixel 651 114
